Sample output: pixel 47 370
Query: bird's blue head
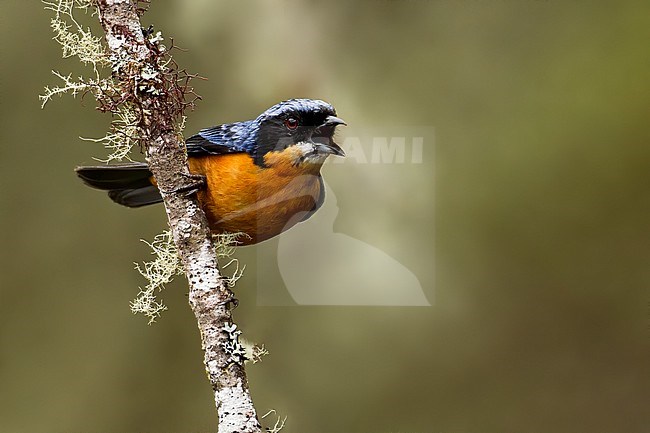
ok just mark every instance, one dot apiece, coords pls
pixel 304 126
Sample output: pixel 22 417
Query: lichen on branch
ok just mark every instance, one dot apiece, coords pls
pixel 122 84
pixel 76 40
pixel 167 264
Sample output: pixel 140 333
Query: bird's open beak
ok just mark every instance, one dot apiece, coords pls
pixel 330 146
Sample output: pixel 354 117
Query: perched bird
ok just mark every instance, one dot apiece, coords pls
pixel 259 177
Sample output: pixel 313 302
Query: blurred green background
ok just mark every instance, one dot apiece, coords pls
pixel 539 238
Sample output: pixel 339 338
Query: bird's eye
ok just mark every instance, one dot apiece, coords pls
pixel 291 123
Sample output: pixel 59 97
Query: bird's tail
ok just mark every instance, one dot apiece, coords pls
pixel 127 184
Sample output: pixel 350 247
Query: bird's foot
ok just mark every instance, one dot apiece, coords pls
pixel 196 183
pixel 230 302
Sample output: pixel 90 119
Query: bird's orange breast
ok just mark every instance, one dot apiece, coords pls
pixel 262 202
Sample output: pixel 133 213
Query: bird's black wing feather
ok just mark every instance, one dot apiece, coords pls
pixel 127 184
pixel 136 197
pixel 117 176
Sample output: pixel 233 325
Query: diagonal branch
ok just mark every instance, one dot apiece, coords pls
pixel 159 105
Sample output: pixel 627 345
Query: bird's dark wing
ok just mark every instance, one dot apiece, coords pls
pixel 229 138
pixel 127 184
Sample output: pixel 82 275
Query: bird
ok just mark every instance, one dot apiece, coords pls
pixel 258 177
